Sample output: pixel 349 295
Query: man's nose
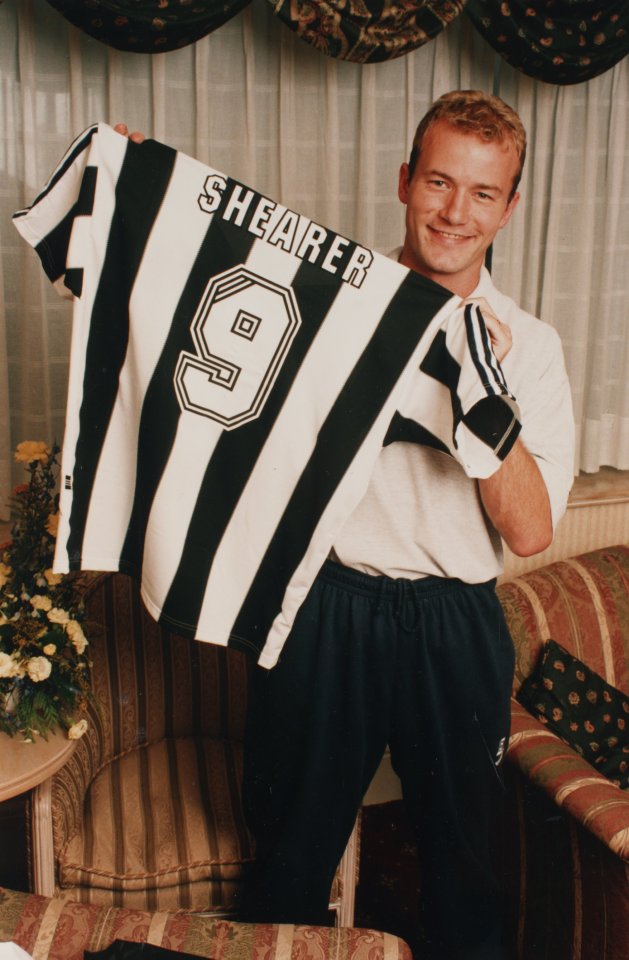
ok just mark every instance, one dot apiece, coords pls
pixel 456 208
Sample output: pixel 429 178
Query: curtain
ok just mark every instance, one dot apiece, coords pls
pixel 565 41
pixel 325 137
pixel 568 41
pixel 148 26
pixel 367 31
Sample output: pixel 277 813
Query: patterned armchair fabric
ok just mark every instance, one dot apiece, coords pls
pixel 54 929
pixel 569 864
pixel 147 811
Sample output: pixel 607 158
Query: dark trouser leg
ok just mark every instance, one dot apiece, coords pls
pixel 428 667
pixel 317 730
pixel 452 721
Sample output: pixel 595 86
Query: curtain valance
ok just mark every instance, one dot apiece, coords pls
pixel 562 41
pixel 148 26
pixel 557 41
pixel 367 31
pixel 361 31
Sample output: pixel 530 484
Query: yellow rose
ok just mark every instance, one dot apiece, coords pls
pixel 31 450
pixel 5 573
pixel 52 524
pixel 78 638
pixel 38 668
pixel 9 666
pixel 57 615
pixel 77 730
pixel 50 649
pixel 53 578
pixel 41 603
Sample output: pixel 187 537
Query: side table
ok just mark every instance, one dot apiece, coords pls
pixel 30 767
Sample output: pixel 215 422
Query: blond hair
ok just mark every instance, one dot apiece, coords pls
pixel 478 113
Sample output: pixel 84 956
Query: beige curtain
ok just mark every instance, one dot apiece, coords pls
pixel 325 137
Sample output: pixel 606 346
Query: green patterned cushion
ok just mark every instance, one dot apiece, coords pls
pixel 582 708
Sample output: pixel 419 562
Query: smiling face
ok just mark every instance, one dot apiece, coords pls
pixel 456 202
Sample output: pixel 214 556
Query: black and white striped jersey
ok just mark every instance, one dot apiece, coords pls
pixel 235 368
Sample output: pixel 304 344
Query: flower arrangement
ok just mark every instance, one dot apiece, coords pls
pixel 44 666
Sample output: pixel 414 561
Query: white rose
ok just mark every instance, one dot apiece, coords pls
pixel 9 666
pixel 49 649
pixel 78 638
pixel 41 603
pixel 38 668
pixel 77 730
pixel 57 615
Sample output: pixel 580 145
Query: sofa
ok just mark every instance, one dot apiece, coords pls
pixel 563 842
pixel 58 929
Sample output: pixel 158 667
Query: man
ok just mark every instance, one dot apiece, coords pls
pixel 401 640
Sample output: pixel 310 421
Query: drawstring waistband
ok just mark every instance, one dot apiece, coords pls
pixel 402 607
pixel 403 594
pixel 381 595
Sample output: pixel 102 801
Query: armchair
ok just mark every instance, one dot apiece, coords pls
pixel 146 813
pixel 565 842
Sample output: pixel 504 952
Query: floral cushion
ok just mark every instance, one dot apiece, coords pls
pixel 54 929
pixel 582 708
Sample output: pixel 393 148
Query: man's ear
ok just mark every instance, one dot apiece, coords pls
pixel 403 183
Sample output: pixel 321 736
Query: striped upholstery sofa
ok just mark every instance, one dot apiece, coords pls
pixel 564 842
pixel 57 929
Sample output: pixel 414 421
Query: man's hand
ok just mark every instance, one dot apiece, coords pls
pixel 499 333
pixel 136 136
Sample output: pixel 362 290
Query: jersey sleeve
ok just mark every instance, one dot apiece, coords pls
pixel 485 412
pixel 47 223
pixel 459 401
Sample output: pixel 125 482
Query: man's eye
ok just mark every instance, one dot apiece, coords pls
pixel 484 196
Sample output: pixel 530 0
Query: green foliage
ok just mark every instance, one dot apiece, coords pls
pixel 44 665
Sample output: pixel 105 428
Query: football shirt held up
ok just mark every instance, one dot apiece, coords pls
pixel 235 368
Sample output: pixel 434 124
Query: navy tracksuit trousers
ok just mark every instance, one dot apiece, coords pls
pixel 424 666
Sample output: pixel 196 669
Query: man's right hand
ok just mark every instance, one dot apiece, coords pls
pixel 136 136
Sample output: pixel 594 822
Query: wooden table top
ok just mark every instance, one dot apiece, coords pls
pixel 25 765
